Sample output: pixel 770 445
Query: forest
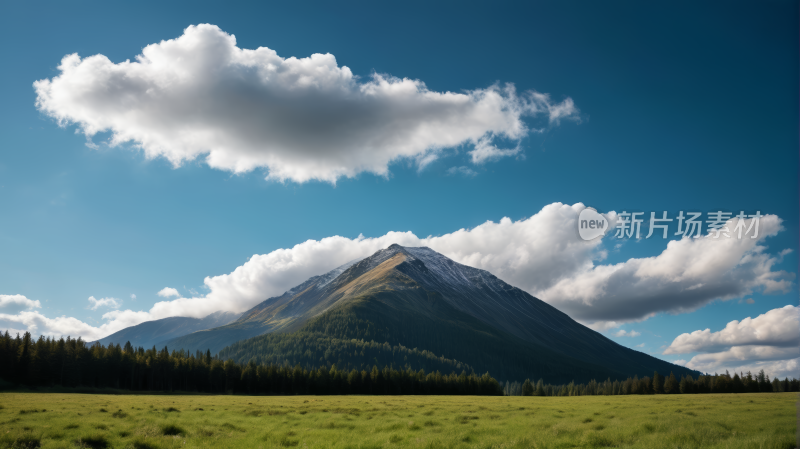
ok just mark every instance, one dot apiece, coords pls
pixel 49 362
pixel 71 362
pixel 365 332
pixel 658 384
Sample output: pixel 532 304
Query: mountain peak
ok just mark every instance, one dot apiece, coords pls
pixel 417 297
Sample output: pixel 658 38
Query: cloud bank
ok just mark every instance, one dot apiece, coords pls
pixel 542 254
pixel 17 315
pixel 770 341
pixel 686 275
pixel 302 119
pixel 778 327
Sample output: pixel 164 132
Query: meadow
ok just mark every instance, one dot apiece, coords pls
pixel 51 420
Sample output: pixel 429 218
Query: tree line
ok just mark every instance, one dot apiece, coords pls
pixel 658 384
pixel 47 362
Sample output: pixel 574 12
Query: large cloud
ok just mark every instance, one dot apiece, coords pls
pixel 770 341
pixel 301 118
pixel 686 275
pixel 537 251
pixel 778 327
pixel 542 254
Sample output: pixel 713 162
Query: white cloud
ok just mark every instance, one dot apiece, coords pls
pixel 166 292
pixel 780 368
pixel 104 302
pixel 623 333
pixel 686 275
pixel 16 316
pixel 557 111
pixel 537 251
pixel 542 254
pixel 778 327
pixel 776 362
pixel 38 324
pixel 200 95
pixel 485 151
pixel 739 355
pixel 16 303
pixel 771 342
pixel 640 345
pixel 133 297
pixel 602 326
pixel 465 171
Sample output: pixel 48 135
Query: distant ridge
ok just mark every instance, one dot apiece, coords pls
pixel 158 332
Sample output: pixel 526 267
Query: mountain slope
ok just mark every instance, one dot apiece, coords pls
pixel 158 332
pixel 417 298
pixel 378 300
pixel 386 306
pixel 269 316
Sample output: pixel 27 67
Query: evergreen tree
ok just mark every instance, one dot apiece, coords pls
pixel 527 388
pixel 658 383
pixel 24 361
pixel 751 385
pixel 539 388
pixel 736 384
pixel 671 384
pixel 764 384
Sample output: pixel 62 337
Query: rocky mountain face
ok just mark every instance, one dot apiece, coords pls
pixel 415 299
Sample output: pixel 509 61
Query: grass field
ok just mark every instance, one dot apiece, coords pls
pixel 152 421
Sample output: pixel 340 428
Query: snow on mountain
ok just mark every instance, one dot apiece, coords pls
pixel 326 278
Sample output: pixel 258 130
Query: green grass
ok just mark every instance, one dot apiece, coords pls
pixel 51 420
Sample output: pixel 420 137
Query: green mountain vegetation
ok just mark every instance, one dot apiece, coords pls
pixel 412 308
pixel 376 329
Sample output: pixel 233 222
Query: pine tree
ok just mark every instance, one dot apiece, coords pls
pixel 540 388
pixel 671 384
pixel 658 383
pixel 736 384
pixel 23 365
pixel 527 388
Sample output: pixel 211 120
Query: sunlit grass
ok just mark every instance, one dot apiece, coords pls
pixel 31 420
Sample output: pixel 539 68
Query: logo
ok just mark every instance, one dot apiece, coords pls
pixel 591 224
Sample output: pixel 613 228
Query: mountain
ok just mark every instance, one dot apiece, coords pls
pixel 415 307
pixel 252 323
pixel 158 332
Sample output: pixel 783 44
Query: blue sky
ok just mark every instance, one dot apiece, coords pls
pixel 681 107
